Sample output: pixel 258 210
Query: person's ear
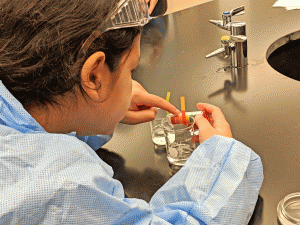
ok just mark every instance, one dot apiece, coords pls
pixel 96 77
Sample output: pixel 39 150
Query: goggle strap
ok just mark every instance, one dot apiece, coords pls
pixel 129 13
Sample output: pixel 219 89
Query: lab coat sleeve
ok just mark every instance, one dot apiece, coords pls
pixel 219 184
pixel 68 183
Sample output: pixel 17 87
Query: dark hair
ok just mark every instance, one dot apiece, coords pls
pixel 40 40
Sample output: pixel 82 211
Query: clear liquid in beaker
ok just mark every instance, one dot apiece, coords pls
pixel 158 136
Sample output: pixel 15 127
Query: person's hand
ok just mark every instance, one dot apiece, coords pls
pixel 152 5
pixel 217 126
pixel 143 106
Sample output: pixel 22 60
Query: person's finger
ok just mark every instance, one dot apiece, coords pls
pixel 217 115
pixel 143 107
pixel 155 110
pixel 156 101
pixel 205 129
pixel 142 116
pixel 136 117
pixel 209 108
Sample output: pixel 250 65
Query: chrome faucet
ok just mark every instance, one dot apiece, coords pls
pixel 233 45
pixel 226 16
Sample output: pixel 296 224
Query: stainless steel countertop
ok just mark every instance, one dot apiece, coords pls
pixel 263 114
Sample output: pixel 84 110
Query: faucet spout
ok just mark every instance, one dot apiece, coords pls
pixel 220 24
pixel 214 53
pixel 238 38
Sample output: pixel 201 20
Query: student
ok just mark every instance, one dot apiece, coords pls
pixel 65 83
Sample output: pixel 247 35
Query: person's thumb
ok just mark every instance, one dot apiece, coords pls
pixel 205 128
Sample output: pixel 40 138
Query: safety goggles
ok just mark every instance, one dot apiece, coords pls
pixel 128 13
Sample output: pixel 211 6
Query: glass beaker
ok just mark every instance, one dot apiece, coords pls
pixel 157 133
pixel 288 209
pixel 180 140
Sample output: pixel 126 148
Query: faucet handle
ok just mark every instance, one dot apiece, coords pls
pixel 226 16
pixel 238 11
pixel 225 49
pixel 234 12
pixel 225 39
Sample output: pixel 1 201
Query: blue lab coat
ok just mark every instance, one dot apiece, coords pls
pixel 59 179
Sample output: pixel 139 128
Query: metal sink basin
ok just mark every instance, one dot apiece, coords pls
pixel 284 55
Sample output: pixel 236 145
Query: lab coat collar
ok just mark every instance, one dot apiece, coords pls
pixel 13 114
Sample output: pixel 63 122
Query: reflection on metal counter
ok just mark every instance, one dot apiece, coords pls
pixel 152 41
